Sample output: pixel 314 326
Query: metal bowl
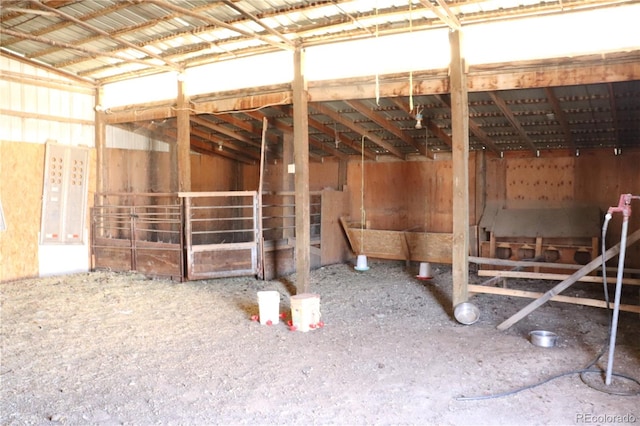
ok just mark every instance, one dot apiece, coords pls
pixel 543 338
pixel 466 313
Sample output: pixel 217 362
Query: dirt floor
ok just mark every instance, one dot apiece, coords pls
pixel 109 348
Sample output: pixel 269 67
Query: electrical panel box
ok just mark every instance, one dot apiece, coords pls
pixel 64 199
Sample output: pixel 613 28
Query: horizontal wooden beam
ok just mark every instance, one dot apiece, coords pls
pixel 46 117
pixel 474 288
pixel 560 287
pixel 591 69
pixel 525 263
pixel 553 277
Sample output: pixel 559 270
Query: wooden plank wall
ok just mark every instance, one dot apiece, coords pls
pixel 321 176
pixel 148 171
pixel 600 178
pixel 407 195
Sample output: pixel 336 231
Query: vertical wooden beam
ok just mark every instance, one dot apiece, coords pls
pixel 101 144
pixel 460 160
pixel 480 199
pixel 288 185
pixel 342 174
pixel 182 179
pixel 301 161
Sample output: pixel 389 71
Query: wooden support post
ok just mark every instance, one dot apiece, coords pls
pixel 182 180
pixel 560 287
pixel 288 186
pixel 538 252
pixel 342 174
pixel 480 195
pixel 101 145
pixel 460 160
pixel 301 157
pixel 259 229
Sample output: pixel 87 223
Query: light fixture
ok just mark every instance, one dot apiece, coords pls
pixel 219 147
pixel 577 152
pixel 419 118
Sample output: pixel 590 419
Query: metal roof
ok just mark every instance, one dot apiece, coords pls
pixel 110 40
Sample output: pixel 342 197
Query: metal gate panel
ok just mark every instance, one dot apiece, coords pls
pixel 221 234
pixel 138 232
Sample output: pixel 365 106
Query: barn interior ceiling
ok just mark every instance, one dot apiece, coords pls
pixel 98 42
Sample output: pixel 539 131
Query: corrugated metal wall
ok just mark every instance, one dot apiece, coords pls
pixel 125 139
pixel 37 105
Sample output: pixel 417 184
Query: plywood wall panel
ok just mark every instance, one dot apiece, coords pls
pixel 601 178
pixel 403 195
pixel 148 171
pixel 22 168
pixel 213 173
pixel 533 180
pixel 323 175
pixel 250 177
pixel 276 176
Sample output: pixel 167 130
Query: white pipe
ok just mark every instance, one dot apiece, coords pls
pixel 616 305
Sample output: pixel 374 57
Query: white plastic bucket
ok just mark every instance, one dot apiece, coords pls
pixel 269 305
pixel 305 311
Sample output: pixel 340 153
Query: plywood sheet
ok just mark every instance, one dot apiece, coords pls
pixel 399 245
pixel 22 168
pixel 540 179
pixel 335 204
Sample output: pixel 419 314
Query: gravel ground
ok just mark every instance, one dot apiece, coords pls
pixel 112 348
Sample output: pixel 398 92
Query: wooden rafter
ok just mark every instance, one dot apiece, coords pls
pixel 221 129
pixel 248 126
pixel 81 49
pixel 217 22
pixel 508 114
pixel 316 124
pixel 382 122
pixel 65 24
pixel 438 132
pixel 279 125
pixel 258 21
pixel 560 116
pixel 358 129
pixel 287 128
pixel 614 108
pixel 96 30
pixel 226 145
pixel 474 127
pixel 444 13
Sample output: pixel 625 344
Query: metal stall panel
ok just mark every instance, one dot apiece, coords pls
pixel 221 234
pixel 138 232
